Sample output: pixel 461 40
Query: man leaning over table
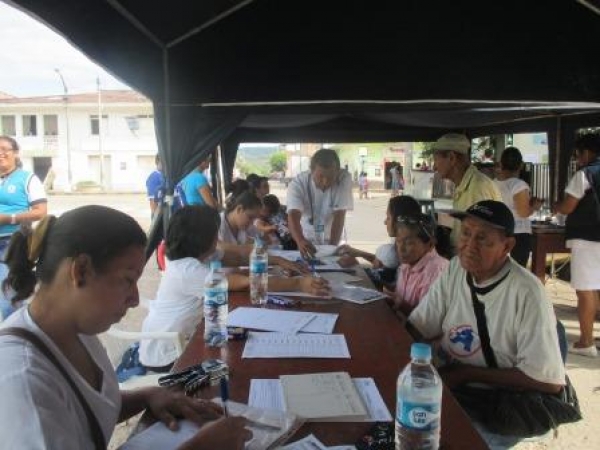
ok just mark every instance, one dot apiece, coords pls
pixel 520 319
pixel 319 197
pixel 452 161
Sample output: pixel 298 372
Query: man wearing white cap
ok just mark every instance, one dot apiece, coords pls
pixel 452 161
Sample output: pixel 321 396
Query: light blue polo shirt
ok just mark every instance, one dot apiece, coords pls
pixel 19 190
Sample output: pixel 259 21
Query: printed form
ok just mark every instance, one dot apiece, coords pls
pixel 304 345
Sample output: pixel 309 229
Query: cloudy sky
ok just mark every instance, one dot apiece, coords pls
pixel 30 52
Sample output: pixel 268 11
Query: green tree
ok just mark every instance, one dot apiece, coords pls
pixel 278 161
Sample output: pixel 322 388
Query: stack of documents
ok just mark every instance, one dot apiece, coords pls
pixel 269 394
pixel 282 321
pixel 356 294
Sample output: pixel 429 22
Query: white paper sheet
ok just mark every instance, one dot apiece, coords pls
pixel 304 345
pixel 282 321
pixel 356 294
pixel 339 277
pixel 264 393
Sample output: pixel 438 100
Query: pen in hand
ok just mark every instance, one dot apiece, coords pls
pixel 224 395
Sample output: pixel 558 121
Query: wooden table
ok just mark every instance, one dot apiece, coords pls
pixel 546 239
pixel 379 348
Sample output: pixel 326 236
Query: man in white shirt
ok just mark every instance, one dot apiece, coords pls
pixel 520 319
pixel 318 200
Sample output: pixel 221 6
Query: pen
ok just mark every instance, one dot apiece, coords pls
pixel 224 395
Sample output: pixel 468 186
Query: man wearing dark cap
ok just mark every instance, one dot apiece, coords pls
pixel 512 308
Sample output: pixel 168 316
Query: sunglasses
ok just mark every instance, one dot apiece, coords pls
pixel 423 222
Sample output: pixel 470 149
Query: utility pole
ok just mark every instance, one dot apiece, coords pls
pixel 69 186
pixel 100 148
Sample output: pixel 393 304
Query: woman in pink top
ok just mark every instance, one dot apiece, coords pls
pixel 420 262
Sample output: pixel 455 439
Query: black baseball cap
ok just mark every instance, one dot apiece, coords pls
pixel 492 212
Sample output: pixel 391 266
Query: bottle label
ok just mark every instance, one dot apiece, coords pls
pixel 215 297
pixel 258 267
pixel 420 416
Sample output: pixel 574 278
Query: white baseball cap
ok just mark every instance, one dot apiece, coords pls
pixel 454 142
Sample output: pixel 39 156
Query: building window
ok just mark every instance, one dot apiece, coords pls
pixel 377 172
pixel 123 165
pixel 8 126
pixel 51 125
pixel 29 125
pixel 95 125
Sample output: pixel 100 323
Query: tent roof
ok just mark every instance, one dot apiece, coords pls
pixel 253 52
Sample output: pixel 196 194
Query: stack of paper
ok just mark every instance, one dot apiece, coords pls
pixel 282 321
pixel 329 396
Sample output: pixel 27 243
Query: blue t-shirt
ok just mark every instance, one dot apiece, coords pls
pixel 154 183
pixel 191 184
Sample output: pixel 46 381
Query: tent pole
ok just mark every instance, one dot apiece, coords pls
pixel 210 23
pixel 220 176
pixel 556 160
pixel 134 21
pixel 167 141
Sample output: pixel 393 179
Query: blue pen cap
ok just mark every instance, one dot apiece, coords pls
pixel 420 351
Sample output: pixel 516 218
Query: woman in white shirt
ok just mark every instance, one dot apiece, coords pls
pixel 516 195
pixel 86 264
pixel 582 204
pixel 191 243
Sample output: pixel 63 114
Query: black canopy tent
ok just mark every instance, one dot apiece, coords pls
pixel 228 71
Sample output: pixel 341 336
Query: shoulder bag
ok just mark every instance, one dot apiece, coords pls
pixel 522 413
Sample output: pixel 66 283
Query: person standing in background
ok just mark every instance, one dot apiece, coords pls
pixel 196 188
pixel 396 179
pixel 516 195
pixel 451 160
pixel 154 185
pixel 582 204
pixel 363 186
pixel 22 201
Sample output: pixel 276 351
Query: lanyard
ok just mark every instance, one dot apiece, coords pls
pixel 312 202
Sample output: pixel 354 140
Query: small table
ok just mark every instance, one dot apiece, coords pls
pixel 547 238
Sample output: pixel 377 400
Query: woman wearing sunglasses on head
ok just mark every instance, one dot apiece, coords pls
pixel 420 262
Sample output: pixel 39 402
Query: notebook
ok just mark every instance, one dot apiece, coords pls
pixel 324 397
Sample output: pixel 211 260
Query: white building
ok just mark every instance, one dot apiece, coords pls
pixel 51 131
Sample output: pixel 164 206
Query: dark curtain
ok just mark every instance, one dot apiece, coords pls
pixel 194 135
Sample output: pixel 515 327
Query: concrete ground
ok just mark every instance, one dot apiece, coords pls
pixel 366 231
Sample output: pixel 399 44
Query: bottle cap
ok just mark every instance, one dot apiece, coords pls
pixel 215 265
pixel 420 351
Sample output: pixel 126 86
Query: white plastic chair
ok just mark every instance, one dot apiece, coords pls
pixel 116 341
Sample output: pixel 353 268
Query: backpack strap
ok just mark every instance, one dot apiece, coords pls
pixel 97 434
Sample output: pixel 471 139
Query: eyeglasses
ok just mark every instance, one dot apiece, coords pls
pixel 425 223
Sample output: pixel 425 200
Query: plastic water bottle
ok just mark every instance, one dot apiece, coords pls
pixel 216 306
pixel 419 406
pixel 319 233
pixel 259 277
